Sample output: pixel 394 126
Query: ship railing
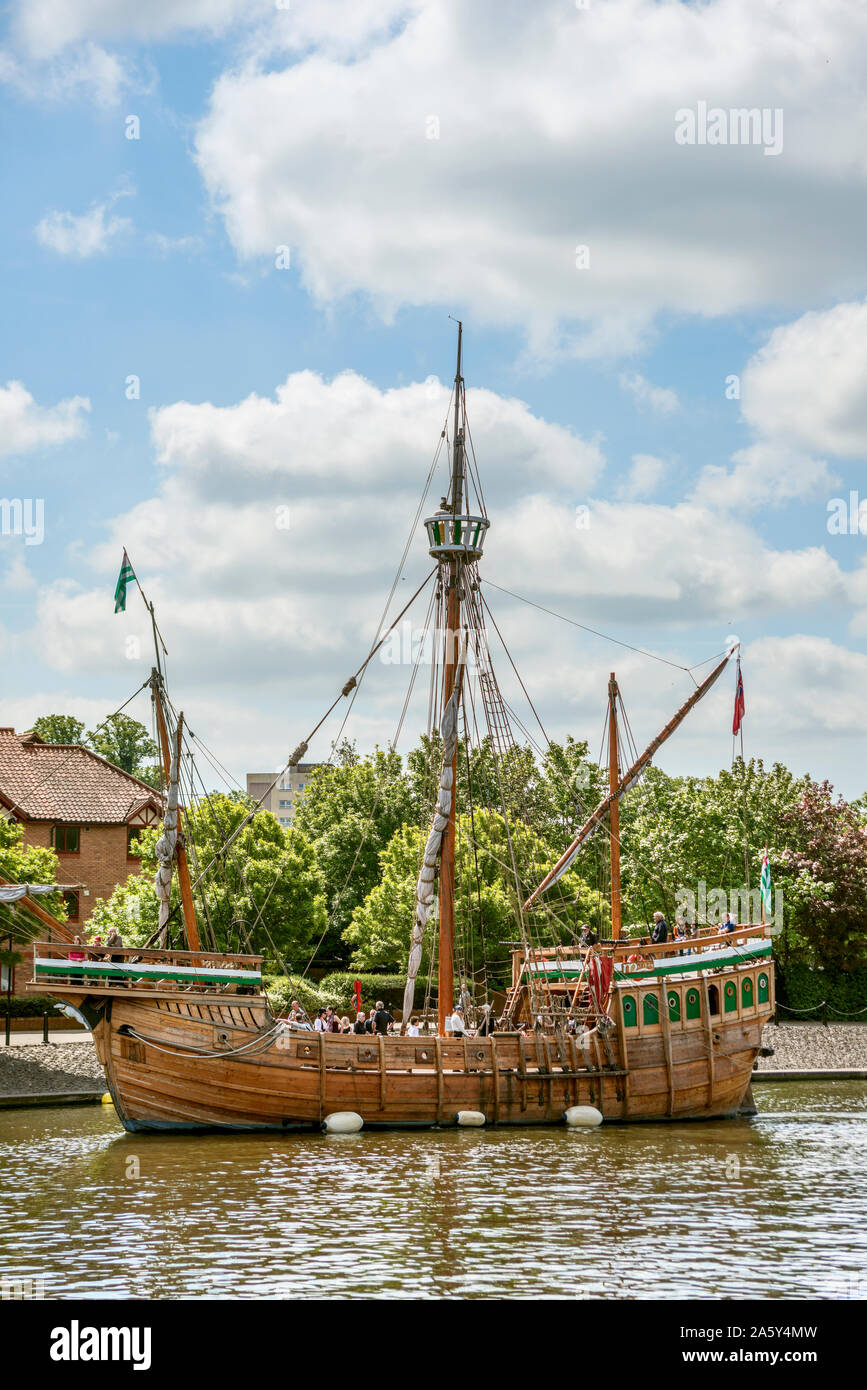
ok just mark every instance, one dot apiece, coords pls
pixel 109 969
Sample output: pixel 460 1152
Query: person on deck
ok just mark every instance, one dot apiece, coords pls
pixel 659 935
pixel 412 1030
pixel 455 1023
pixel 319 1022
pixel 487 1023
pixel 587 938
pixel 381 1018
pixel 359 1026
pixel 728 925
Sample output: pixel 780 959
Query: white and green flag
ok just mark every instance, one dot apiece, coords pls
pixel 126 576
pixel 765 886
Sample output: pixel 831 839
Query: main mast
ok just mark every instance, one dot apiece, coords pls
pixel 614 809
pixel 455 540
pixel 451 571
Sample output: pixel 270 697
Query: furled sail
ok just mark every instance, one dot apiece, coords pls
pixel 628 780
pixel 424 892
pixel 166 846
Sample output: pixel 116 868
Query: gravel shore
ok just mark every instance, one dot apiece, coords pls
pixel 36 1070
pixel 813 1047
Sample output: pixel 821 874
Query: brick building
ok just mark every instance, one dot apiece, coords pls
pixel 88 811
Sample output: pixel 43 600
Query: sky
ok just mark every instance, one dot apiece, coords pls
pixel 236 234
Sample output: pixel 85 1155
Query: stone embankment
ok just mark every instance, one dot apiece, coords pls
pixel 804 1047
pixel 68 1069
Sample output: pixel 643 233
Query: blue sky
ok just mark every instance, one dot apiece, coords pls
pixel 262 128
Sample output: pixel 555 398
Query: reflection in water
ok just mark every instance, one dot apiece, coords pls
pixel 768 1208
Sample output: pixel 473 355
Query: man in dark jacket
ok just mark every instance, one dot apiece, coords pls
pixel 382 1018
pixel 659 935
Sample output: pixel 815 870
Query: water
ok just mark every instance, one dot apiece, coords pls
pixel 770 1207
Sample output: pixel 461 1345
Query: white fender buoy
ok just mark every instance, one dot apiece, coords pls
pixel 342 1122
pixel 583 1116
pixel 471 1119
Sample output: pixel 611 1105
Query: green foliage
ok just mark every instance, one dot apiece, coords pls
pixel 59 728
pixel 803 990
pixel 121 740
pixel 29 1006
pixel 350 812
pixel 32 865
pixel 338 989
pixel 266 869
pixel 826 864
pixel 126 743
pixel 282 989
pixel 486 897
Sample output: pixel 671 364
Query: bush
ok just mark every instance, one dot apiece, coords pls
pixel 30 1006
pixel 803 990
pixel 282 989
pixel 338 989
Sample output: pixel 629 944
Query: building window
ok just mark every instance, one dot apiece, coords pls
pixel 133 841
pixel 71 901
pixel 66 839
pixel 285 803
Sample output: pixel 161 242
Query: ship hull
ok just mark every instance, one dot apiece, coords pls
pixel 190 1064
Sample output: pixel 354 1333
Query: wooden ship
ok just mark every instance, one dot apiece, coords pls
pixel 639 1032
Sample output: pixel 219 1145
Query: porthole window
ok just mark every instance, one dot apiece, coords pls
pixel 731 997
pixel 747 993
pixel 674 1006
pixel 630 1016
pixel 764 992
pixel 693 1004
pixel 650 1008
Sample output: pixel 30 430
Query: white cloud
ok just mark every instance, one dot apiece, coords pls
pixel 24 425
pixel 765 474
pixel 537 107
pixel 644 477
pixel 262 618
pixel 659 399
pixel 808 384
pixel 88 71
pixel 90 233
pixel 46 27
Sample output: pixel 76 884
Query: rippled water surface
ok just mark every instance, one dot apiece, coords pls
pixel 770 1207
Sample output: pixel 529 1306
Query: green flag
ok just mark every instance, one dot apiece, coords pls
pixel 126 576
pixel 765 886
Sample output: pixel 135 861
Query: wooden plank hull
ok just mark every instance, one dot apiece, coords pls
pixel 193 1064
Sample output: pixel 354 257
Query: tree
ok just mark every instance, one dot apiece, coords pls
pixel 59 728
pixel 126 743
pixel 486 899
pixel 350 813
pixel 26 865
pixel 827 894
pixel 265 893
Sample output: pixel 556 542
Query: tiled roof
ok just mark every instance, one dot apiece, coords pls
pixel 65 782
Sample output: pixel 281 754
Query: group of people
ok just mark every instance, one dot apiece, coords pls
pixel 380 1021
